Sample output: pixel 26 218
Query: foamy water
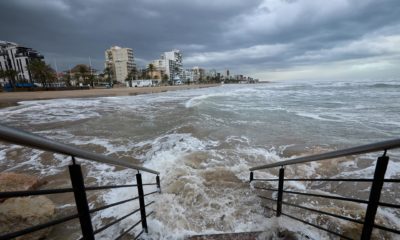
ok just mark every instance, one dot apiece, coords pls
pixel 203 142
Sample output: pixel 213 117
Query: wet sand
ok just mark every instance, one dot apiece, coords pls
pixel 8 99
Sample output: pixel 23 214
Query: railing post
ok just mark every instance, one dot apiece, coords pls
pixel 374 196
pixel 82 206
pixel 251 176
pixel 141 201
pixel 280 191
pixel 158 184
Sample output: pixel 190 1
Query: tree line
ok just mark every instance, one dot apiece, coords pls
pixel 43 73
pixel 38 69
pixel 46 76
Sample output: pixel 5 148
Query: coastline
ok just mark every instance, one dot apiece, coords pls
pixel 8 99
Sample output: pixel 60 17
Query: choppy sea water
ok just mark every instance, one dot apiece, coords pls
pixel 203 142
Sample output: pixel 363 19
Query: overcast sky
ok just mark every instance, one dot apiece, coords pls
pixel 268 39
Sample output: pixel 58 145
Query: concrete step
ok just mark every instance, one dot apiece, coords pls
pixel 227 236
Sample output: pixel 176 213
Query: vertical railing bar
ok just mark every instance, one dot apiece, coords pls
pixel 141 201
pixel 280 191
pixel 158 184
pixel 82 206
pixel 374 196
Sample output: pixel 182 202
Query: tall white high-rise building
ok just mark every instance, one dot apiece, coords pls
pixel 120 61
pixel 173 64
pixel 16 57
pixel 170 64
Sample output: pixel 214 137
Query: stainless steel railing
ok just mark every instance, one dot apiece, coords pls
pixel 20 137
pixel 373 203
pixel 79 189
pixel 385 145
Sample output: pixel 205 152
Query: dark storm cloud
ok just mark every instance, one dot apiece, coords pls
pixel 75 30
pixel 251 36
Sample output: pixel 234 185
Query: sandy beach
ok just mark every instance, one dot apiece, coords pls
pixel 12 98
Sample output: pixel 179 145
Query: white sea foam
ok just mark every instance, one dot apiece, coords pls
pixel 240 139
pixel 221 92
pixel 3 155
pixel 195 101
pixel 318 117
pixel 392 171
pixel 185 189
pixel 51 111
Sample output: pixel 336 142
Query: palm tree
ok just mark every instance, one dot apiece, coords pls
pixel 83 72
pixel 151 69
pixel 165 79
pixel 91 79
pixel 109 72
pixel 41 71
pixel 67 79
pixel 142 74
pixel 132 75
pixel 11 75
pixel 5 74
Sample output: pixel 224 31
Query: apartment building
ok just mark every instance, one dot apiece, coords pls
pixel 16 57
pixel 120 61
pixel 158 69
pixel 170 63
pixel 198 74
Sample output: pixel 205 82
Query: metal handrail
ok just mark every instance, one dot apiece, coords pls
pixel 372 203
pixel 385 145
pixel 20 137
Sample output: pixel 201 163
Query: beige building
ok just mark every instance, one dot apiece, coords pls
pixel 158 69
pixel 120 61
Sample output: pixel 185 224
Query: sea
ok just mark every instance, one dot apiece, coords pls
pixel 203 142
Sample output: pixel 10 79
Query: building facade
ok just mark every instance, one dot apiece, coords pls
pixel 121 61
pixel 158 69
pixel 188 76
pixel 199 74
pixel 17 58
pixel 211 73
pixel 173 64
pixel 170 64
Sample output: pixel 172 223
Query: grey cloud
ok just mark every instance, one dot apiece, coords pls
pixel 242 35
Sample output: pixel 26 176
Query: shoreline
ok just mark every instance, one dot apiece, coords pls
pixel 9 99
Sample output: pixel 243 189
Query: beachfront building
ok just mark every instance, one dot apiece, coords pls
pixel 171 64
pixel 156 69
pixel 16 57
pixel 239 77
pixel 198 74
pixel 211 73
pixel 188 76
pixel 80 75
pixel 120 61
